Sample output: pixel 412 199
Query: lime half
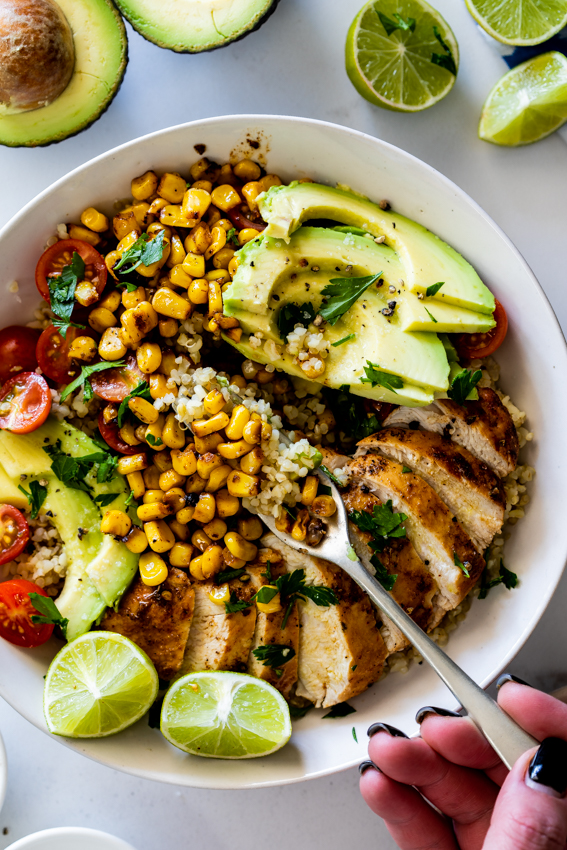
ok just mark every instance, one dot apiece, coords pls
pixel 401 54
pixel 528 103
pixel 519 21
pixel 97 685
pixel 225 715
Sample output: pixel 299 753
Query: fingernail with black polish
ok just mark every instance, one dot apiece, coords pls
pixel 433 709
pixel 548 768
pixel 507 677
pixel 367 765
pixel 385 727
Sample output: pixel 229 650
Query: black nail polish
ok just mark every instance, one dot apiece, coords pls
pixel 433 709
pixel 507 677
pixel 385 727
pixel 549 765
pixel 367 765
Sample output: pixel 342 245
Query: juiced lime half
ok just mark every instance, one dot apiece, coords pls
pixel 225 715
pixel 97 685
pixel 528 103
pixel 519 21
pixel 401 54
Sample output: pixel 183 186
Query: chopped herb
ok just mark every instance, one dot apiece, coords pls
pixel 463 567
pixel 330 475
pixel 386 579
pixel 62 293
pixel 130 499
pixel 50 614
pixel 433 319
pixel 463 384
pixel 353 668
pixel 505 577
pixel 36 496
pixel 153 441
pixel 291 511
pixel 144 251
pixel 341 294
pixel 274 655
pixel 406 469
pixel 72 471
pixel 235 604
pixel 107 469
pixel 350 411
pixel 228 575
pixel 342 709
pixel 354 734
pixel 297 711
pixel 344 339
pixel 266 594
pixel 291 315
pixel 104 499
pixel 83 379
pixel 323 490
pixel 291 586
pixel 268 572
pixel 444 60
pixel 141 391
pixel 381 379
pixel 434 288
pixel 232 236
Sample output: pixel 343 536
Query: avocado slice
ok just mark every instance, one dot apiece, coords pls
pixel 101 55
pixel 426 259
pixel 196 27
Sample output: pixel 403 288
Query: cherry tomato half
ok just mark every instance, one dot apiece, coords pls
pixel 25 402
pixel 54 258
pixel 17 351
pixel 471 346
pixel 115 384
pixel 14 533
pixel 241 221
pixel 110 433
pixel 52 353
pixel 16 612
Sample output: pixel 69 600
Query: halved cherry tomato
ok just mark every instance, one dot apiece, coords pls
pixel 110 433
pixel 241 221
pixel 115 384
pixel 52 261
pixel 16 612
pixel 14 533
pixel 17 350
pixel 471 346
pixel 52 353
pixel 25 402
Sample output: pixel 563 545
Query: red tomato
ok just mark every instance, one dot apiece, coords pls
pixel 116 384
pixel 16 612
pixel 17 351
pixel 109 432
pixel 14 533
pixel 52 353
pixel 25 402
pixel 52 261
pixel 471 346
pixel 240 221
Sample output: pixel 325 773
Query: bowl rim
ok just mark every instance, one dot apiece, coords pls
pixel 30 841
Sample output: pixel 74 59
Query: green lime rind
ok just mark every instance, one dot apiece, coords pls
pixel 396 71
pixel 528 103
pixel 98 685
pixel 519 22
pixel 225 715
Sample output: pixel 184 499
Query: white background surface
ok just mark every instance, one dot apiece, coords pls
pixel 293 65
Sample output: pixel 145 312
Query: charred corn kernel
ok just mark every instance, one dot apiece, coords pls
pixel 223 257
pixel 136 541
pixel 239 547
pixel 136 484
pixel 199 169
pixel 271 607
pixel 111 346
pixel 111 301
pixel 185 515
pixel 299 527
pixel 204 427
pixel 180 555
pixel 142 213
pixel 309 491
pixel 205 508
pixel 207 463
pixel 140 433
pixel 156 206
pixel 94 220
pixel 239 419
pixel 214 402
pixel 144 186
pixel 84 234
pixel 133 333
pixel 212 327
pixel 145 317
pixel 83 348
pixel 219 595
pixel 195 484
pixel 158 386
pixel 173 434
pixel 268 181
pixel 225 223
pixel 215 298
pixel 251 190
pixel 252 432
pixel 116 522
pixel 227 504
pixel 199 291
pixel 250 528
pixel 212 560
pixel 166 302
pixel 178 277
pixel 143 410
pixel 225 197
pixel 225 174
pixel 199 239
pixel 127 241
pixel 153 569
pixel 109 413
pixel 196 202
pixel 181 531
pixel 148 357
pixel 168 361
pixel 132 299
pixel 216 242
pixel 196 568
pixel 283 521
pixel 184 462
pixel 132 463
pixel 152 434
pixel 172 187
pixel 231 561
pixel 252 463
pixel 100 319
pixel 160 536
pixel 241 484
pixel 217 478
pixel 163 461
pixel 128 434
pixel 168 327
pixel 208 443
pixel 154 495
pixel 153 268
pixel 233 266
pixel 247 170
pixel 203 184
pixel 172 216
pixel 324 506
pixel 264 377
pixel 86 293
pixel 234 450
pixel 177 251
pixel 216 529
pixel 170 478
pixel 124 223
pixel 200 539
pixel 220 275
pixel 151 477
pixel 154 511
pixel 238 381
pixel 247 234
pixel 176 498
pixel 194 265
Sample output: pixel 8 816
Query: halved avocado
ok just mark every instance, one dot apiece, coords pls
pixel 101 55
pixel 193 26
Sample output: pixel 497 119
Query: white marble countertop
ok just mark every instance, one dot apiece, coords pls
pixel 293 65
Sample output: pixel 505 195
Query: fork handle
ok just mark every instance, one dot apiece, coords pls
pixel 508 739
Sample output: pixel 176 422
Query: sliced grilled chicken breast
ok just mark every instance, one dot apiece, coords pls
pixel 467 485
pixel 434 532
pixel 158 619
pixel 484 427
pixel 332 459
pixel 341 651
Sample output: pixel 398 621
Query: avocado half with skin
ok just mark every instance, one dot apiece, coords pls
pixel 194 26
pixel 61 64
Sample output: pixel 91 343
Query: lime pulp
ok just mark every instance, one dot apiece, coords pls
pixel 519 22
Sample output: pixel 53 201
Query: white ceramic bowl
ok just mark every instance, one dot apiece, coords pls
pixel 70 838
pixel 534 370
pixel 3 773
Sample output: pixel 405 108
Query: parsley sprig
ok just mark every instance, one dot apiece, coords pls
pixel 48 611
pixel 36 496
pixel 141 391
pixel 292 586
pixel 463 384
pixel 144 251
pixel 232 236
pixel 83 379
pixel 291 315
pixel 376 377
pixel 235 604
pixel 72 471
pixel 274 655
pixel 505 577
pixel 341 294
pixel 349 410
pixel 62 293
pixel 383 524
pixel 434 288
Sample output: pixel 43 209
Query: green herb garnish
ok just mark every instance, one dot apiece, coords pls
pixel 399 24
pixel 228 575
pixel 444 60
pixel 291 315
pixel 141 391
pixel 344 339
pixel 382 379
pixel 235 604
pixel 83 379
pixel 505 577
pixel 341 294
pixel 72 471
pixel 330 475
pixel 354 734
pixel 463 567
pixel 350 412
pixel 62 293
pixel 232 236
pixel 153 441
pixel 433 319
pixel 463 384
pixel 105 499
pixel 274 654
pixel 298 711
pixel 342 709
pixel 36 496
pixel 386 579
pixel 144 251
pixel 435 287
pixel 49 612
pixel 130 499
pixel 406 469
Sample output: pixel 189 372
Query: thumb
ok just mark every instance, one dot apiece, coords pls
pixel 531 810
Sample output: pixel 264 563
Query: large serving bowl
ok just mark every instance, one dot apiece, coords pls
pixel 534 372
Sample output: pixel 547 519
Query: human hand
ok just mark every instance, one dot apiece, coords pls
pixel 454 768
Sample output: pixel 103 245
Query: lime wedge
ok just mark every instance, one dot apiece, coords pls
pixel 225 716
pixel 97 685
pixel 519 21
pixel 528 103
pixel 401 54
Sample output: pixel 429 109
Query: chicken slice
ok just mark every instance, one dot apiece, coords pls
pixel 341 651
pixel 157 619
pixel 468 486
pixel 434 532
pixel 484 427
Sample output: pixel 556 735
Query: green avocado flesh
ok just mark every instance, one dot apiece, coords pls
pixel 192 26
pixel 101 54
pixel 99 568
pixel 425 258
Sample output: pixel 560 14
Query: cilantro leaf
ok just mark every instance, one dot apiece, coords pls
pixel 399 24
pixel 232 236
pixel 343 340
pixel 291 586
pixel 434 288
pixel 322 596
pixel 463 384
pixel 72 471
pixel 266 594
pixel 130 498
pixel 291 315
pixel 228 575
pixel 153 441
pixel 386 579
pixel 83 378
pixel 50 614
pixel 330 475
pixel 298 711
pixel 354 734
pixel 406 469
pixel 106 469
pixel 463 567
pixel 382 379
pixel 341 294
pixel 382 524
pixel 36 496
pixel 141 391
pixel 444 60
pixel 505 577
pixel 268 573
pixel 274 655
pixel 144 251
pixel 342 709
pixel 350 412
pixel 62 293
pixel 433 319
pixel 235 604
pixel 105 499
